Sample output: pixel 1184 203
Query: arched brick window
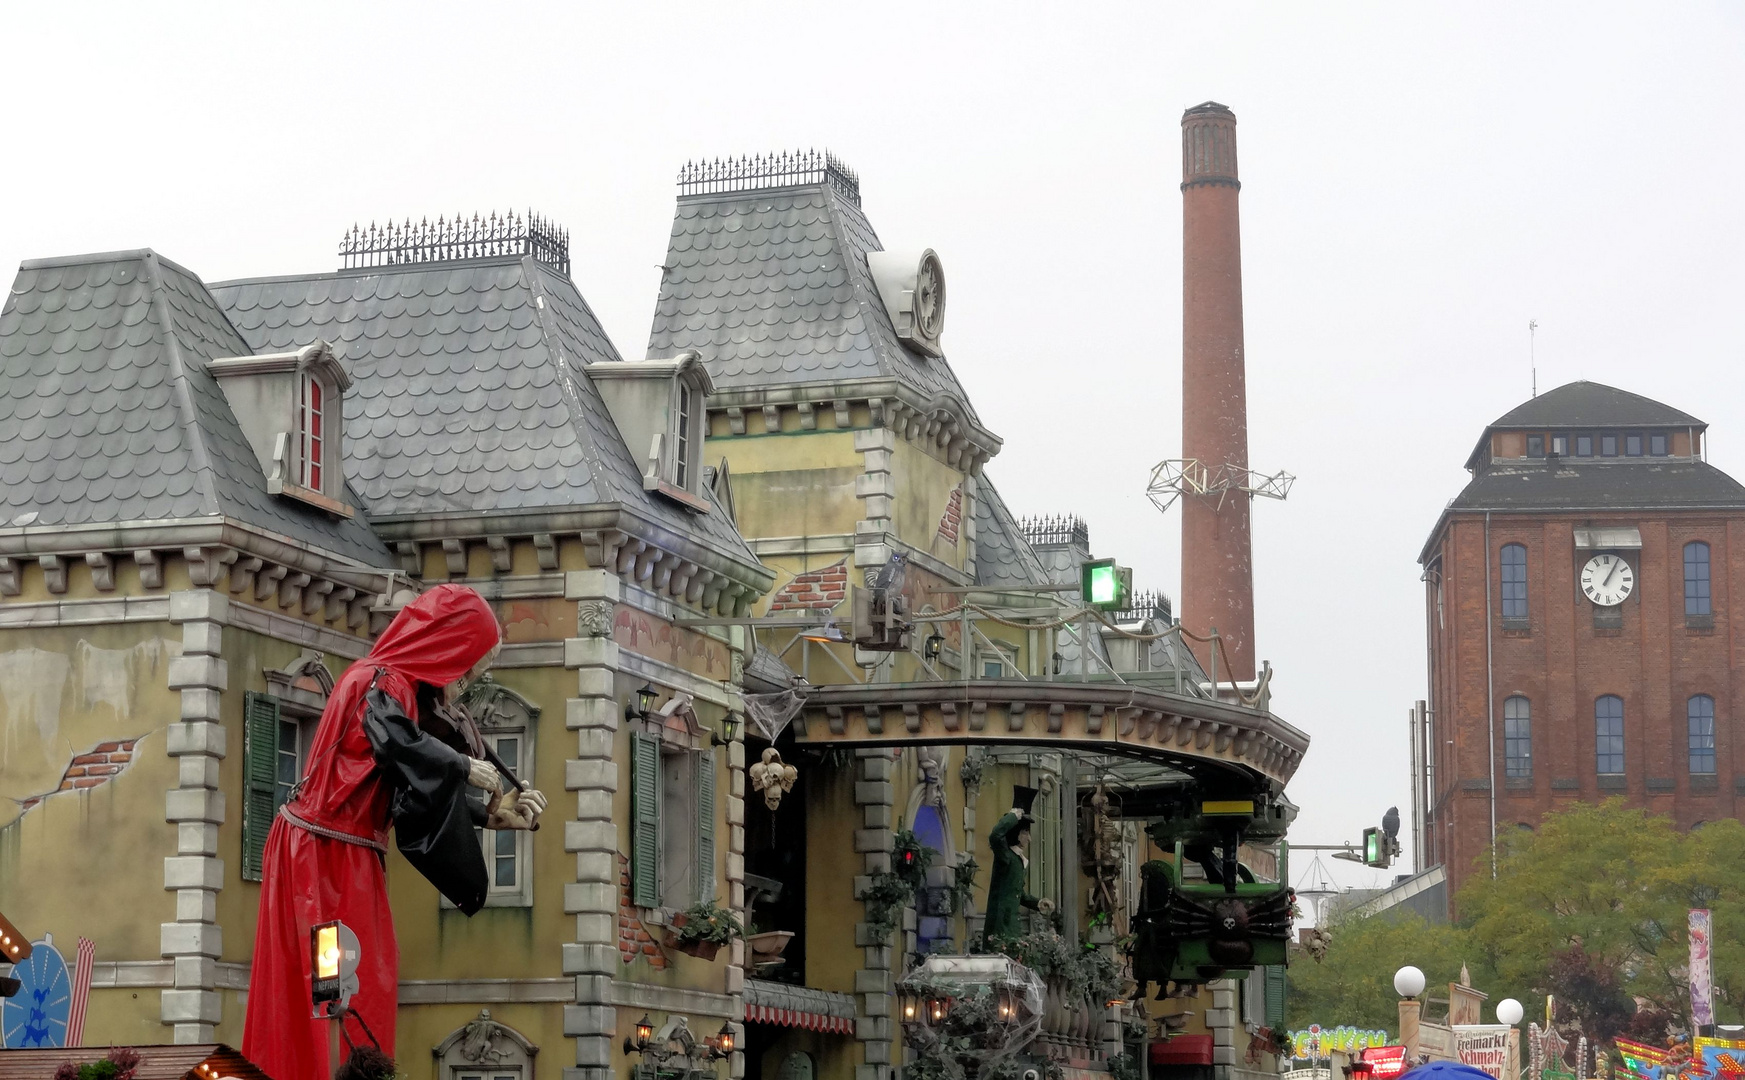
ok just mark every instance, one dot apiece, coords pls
pixel 1514 581
pixel 1700 718
pixel 1609 735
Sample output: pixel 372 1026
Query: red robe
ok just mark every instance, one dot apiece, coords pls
pixel 308 879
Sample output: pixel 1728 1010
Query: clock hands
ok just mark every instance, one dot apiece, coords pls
pixel 1611 575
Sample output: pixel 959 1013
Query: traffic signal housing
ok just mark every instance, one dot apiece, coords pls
pixel 1377 851
pixel 1106 585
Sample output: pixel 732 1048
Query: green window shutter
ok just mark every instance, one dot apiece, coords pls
pixel 706 825
pixel 645 821
pixel 1275 996
pixel 260 771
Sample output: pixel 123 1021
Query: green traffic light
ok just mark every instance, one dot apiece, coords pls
pixel 1105 585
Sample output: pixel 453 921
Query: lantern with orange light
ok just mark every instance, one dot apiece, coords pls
pixel 334 957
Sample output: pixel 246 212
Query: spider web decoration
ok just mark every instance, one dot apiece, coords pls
pixel 772 713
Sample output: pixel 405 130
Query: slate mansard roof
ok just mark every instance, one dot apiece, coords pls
pixel 1003 556
pixel 468 390
pixel 771 286
pixel 110 417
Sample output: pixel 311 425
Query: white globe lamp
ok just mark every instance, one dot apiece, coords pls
pixel 1408 982
pixel 1509 1012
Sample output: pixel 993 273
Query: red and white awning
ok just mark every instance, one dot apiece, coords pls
pixel 799 1018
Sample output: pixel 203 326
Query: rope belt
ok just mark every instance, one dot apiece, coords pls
pixel 333 834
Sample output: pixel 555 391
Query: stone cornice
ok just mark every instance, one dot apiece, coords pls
pixel 940 424
pixel 657 557
pixel 250 561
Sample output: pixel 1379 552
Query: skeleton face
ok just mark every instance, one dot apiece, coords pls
pixel 453 691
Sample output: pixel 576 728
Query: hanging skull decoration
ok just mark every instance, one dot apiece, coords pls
pixel 773 777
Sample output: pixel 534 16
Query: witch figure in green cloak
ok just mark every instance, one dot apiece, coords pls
pixel 1010 841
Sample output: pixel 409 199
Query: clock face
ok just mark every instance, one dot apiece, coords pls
pixel 930 296
pixel 1607 580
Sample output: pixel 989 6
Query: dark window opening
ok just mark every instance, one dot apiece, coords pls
pixel 1518 737
pixel 1514 581
pixel 1633 445
pixel 1609 735
pixel 1657 444
pixel 1696 578
pixel 1608 446
pixel 1559 445
pixel 1584 446
pixel 1701 713
pixel 1535 446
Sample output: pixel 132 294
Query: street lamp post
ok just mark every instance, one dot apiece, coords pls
pixel 1409 984
pixel 1509 1012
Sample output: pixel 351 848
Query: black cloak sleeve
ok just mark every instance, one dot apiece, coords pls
pixel 434 816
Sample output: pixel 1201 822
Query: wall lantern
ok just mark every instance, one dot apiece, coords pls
pixel 938 1009
pixel 729 729
pixel 644 1032
pixel 1057 662
pixel 933 645
pixel 642 705
pixel 909 1006
pixel 724 1039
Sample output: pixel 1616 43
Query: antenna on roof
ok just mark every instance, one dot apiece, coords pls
pixel 1532 355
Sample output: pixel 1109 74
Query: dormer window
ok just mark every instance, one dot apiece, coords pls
pixel 683 451
pixel 660 407
pixel 309 449
pixel 289 408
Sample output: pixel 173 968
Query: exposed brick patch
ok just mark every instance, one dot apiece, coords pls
pixel 91 769
pixel 952 520
pixel 634 940
pixel 815 590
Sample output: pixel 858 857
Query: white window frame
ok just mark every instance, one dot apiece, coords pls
pixel 502 713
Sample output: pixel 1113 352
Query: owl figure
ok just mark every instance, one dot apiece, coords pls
pixel 773 777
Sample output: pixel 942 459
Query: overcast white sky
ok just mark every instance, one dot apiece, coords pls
pixel 1419 182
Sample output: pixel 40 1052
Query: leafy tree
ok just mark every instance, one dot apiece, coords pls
pixel 1354 984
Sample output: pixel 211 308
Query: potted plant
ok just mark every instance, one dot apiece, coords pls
pixel 701 929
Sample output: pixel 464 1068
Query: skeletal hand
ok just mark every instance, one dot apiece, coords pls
pixel 517 810
pixel 481 774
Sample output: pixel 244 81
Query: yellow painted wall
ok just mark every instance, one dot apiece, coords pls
pixel 923 486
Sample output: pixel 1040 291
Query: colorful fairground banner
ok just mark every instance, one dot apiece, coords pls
pixel 1700 1059
pixel 1317 1043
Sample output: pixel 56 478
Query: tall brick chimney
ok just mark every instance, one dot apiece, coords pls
pixel 1217 577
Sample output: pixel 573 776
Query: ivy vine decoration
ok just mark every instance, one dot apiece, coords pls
pixel 970 772
pixel 885 901
pixel 960 1043
pixel 910 858
pixel 963 881
pixel 1123 1067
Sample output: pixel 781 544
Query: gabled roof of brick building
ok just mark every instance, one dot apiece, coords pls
pixel 111 416
pixel 771 286
pixel 468 389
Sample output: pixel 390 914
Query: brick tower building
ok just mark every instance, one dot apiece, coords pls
pixel 1581 627
pixel 1217 574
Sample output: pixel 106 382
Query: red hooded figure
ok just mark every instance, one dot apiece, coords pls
pixel 325 856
